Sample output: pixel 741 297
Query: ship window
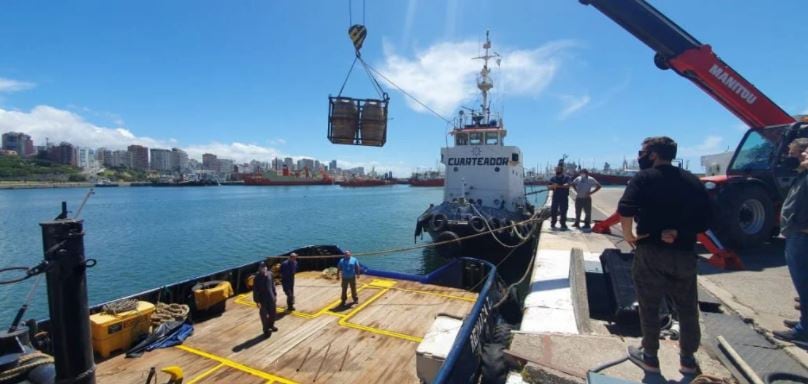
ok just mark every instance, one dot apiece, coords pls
pixel 475 138
pixel 491 138
pixel 515 157
pixel 461 139
pixel 496 169
pixel 455 169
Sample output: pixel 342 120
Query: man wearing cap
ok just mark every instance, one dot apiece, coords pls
pixel 264 296
pixel 288 270
pixel 348 271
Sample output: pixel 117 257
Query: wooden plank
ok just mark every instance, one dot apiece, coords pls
pixel 122 370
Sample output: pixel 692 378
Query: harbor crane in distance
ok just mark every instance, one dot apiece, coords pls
pixel 748 197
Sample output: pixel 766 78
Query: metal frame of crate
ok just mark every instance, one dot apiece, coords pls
pixel 349 124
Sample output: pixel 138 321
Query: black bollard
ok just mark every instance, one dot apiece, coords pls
pixel 63 242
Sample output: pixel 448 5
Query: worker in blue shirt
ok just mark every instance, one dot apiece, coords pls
pixel 288 270
pixel 348 271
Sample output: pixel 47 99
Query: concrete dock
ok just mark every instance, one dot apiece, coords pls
pixel 560 342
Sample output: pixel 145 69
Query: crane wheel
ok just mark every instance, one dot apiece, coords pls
pixel 745 217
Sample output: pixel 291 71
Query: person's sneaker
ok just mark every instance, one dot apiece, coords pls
pixel 790 323
pixel 791 335
pixel 356 301
pixel 552 225
pixel 290 309
pixel 647 362
pixel 564 228
pixel 586 226
pixel 688 365
pixel 576 225
pixel 341 303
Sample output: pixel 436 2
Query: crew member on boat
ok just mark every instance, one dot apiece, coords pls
pixel 348 272
pixel 288 270
pixel 264 296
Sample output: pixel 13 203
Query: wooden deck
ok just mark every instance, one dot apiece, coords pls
pixel 371 342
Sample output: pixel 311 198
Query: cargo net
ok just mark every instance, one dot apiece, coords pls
pixel 357 121
pixel 120 306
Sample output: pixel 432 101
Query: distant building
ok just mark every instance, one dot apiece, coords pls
pixel 140 157
pixel 716 164
pixel 64 153
pixel 209 162
pixel 332 166
pixel 161 160
pixel 226 166
pixel 289 163
pixel 179 159
pixel 87 158
pixel 18 142
pixel 120 159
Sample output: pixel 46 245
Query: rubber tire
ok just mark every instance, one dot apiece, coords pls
pixel 477 224
pixel 438 222
pixel 727 222
pixel 450 249
pixel 494 366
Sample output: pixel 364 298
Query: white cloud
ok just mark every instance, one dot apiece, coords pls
pixel 9 85
pixel 710 145
pixel 443 76
pixel 277 141
pixel 59 125
pixel 572 104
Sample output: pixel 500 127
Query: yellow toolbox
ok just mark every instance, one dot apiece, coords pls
pixel 118 332
pixel 212 295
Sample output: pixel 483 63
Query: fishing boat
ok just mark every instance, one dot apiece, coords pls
pixel 405 328
pixel 286 177
pixel 484 206
pixel 365 182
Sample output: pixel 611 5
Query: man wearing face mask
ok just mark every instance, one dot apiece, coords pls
pixel 560 185
pixel 794 227
pixel 671 207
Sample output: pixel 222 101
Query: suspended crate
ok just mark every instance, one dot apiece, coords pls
pixel 357 121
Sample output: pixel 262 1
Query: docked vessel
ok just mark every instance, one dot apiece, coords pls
pixel 288 178
pixel 365 182
pixel 612 178
pixel 484 205
pixel 427 179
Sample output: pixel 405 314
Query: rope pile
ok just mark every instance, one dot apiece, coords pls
pixel 25 364
pixel 330 273
pixel 708 379
pixel 120 306
pixel 169 312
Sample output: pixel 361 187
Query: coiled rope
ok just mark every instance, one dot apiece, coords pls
pixel 26 363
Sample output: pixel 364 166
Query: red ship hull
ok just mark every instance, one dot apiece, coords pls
pixel 258 180
pixel 426 182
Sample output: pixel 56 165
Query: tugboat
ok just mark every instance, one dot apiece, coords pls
pixel 484 206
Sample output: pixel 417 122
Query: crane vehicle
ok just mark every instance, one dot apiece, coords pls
pixel 748 198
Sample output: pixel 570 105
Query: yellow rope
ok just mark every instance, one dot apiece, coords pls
pixel 25 364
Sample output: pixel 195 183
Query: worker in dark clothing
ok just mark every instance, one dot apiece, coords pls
pixel 671 207
pixel 794 227
pixel 288 270
pixel 264 296
pixel 560 185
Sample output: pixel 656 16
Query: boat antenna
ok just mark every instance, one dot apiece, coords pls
pixel 484 82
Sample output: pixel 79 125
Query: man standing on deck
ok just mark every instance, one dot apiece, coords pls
pixel 348 271
pixel 583 185
pixel 264 296
pixel 288 270
pixel 671 207
pixel 560 185
pixel 794 227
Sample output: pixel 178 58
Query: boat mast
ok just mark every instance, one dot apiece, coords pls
pixel 484 82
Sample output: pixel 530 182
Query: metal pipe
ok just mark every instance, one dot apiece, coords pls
pixel 63 240
pixel 745 368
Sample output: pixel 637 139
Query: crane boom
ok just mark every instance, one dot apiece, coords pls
pixel 678 50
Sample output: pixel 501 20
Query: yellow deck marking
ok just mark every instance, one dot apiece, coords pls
pixel 241 367
pixel 205 374
pixel 383 285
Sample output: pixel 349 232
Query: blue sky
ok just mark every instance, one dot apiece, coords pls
pixel 250 79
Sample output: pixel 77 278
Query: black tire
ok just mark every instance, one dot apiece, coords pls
pixel 494 366
pixel 449 249
pixel 477 224
pixel 745 217
pixel 438 222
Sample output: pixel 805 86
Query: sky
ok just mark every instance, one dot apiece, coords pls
pixel 251 79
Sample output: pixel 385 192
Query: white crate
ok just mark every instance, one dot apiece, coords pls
pixel 437 343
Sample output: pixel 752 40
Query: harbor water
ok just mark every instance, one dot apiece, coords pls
pixel 146 237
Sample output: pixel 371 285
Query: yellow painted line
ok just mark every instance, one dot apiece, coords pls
pixel 453 297
pixel 344 321
pixel 382 283
pixel 241 367
pixel 205 374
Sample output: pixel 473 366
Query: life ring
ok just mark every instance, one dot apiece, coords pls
pixel 438 222
pixel 477 224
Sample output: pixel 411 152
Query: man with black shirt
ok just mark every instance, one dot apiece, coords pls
pixel 671 207
pixel 560 185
